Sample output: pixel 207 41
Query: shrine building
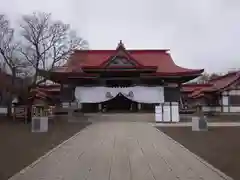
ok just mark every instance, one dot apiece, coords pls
pixel 218 95
pixel 120 80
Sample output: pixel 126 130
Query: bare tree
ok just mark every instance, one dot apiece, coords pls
pixel 3 66
pixel 9 56
pixel 47 43
pixel 9 48
pixel 214 76
pixel 206 77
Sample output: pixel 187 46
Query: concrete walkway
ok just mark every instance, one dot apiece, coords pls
pixel 120 151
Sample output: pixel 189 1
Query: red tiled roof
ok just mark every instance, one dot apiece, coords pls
pixel 43 91
pixel 36 93
pixel 218 84
pixel 196 93
pixel 160 59
pixel 50 88
pixel 188 88
pixel 224 81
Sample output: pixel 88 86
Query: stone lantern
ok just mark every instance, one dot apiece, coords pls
pixel 199 122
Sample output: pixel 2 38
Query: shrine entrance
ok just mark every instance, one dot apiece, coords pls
pixel 120 103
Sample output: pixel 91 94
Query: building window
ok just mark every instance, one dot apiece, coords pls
pixel 234 100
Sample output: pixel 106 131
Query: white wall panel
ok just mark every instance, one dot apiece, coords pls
pixel 158 114
pixel 166 112
pixel 225 100
pixel 234 108
pixel 175 112
pixel 225 109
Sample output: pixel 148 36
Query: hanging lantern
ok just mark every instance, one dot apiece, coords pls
pixel 109 95
pixel 130 94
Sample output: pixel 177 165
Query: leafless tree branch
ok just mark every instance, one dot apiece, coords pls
pixel 9 48
pixel 9 55
pixel 47 42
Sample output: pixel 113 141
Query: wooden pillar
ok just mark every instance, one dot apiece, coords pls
pixel 131 106
pixel 99 107
pixel 79 105
pixel 228 92
pixel 170 106
pixel 139 105
pixel 181 103
pixel 70 113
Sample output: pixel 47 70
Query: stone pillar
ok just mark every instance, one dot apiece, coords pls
pixel 199 123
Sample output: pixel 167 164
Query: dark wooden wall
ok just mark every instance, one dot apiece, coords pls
pixel 171 94
pixel 67 93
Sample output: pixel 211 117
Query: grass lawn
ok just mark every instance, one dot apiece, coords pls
pixel 19 147
pixel 220 146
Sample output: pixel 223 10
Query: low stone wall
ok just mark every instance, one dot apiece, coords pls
pixel 211 108
pixel 219 109
pixel 234 109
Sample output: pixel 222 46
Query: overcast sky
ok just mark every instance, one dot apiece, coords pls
pixel 199 33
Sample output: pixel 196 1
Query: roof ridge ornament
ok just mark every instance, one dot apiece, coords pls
pixel 120 44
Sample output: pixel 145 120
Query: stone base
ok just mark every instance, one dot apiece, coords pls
pixel 40 124
pixel 199 124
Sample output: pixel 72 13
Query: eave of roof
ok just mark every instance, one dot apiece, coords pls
pixel 190 87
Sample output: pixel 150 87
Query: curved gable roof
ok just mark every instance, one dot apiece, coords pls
pixel 161 59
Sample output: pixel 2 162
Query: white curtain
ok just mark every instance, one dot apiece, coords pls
pixel 92 94
pixel 141 94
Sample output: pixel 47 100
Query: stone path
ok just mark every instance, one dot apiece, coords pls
pixel 120 151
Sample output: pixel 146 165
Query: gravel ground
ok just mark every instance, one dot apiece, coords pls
pixel 19 147
pixel 219 146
